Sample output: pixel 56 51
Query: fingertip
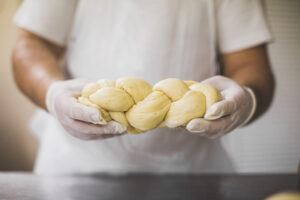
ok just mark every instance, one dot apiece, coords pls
pixel 97 119
pixel 214 112
pixel 220 109
pixel 85 113
pixel 194 126
pixel 116 127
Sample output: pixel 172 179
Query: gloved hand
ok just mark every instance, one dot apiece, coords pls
pixel 235 110
pixel 77 119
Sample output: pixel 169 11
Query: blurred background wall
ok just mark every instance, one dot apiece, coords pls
pixel 17 146
pixel 272 144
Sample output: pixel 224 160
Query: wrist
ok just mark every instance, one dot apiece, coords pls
pixel 45 84
pixel 253 107
pixel 50 96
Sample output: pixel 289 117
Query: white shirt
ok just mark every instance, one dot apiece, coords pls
pixel 152 40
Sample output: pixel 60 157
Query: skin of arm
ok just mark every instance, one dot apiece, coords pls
pixel 36 65
pixel 251 68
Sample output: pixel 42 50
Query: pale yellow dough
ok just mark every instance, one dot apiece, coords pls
pixel 135 104
pixel 150 112
pixel 285 196
pixel 190 106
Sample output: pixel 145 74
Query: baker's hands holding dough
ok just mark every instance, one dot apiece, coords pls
pixel 235 110
pixel 105 108
pixel 77 119
pixel 137 105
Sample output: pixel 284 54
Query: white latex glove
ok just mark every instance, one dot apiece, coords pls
pixel 235 110
pixel 77 119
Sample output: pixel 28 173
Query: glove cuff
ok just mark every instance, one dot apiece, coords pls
pixel 254 106
pixel 49 97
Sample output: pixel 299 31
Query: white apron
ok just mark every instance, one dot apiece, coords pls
pixel 149 39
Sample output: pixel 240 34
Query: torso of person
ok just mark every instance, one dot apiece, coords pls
pixel 152 40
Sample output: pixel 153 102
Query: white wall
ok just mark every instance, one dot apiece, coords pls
pixel 272 144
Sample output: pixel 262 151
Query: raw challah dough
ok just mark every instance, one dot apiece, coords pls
pixel 293 195
pixel 140 107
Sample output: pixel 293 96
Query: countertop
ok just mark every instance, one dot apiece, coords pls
pixel 27 186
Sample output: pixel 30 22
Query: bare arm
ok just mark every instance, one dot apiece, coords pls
pixel 251 68
pixel 35 66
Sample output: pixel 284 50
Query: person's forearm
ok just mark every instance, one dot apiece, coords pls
pixel 255 73
pixel 35 66
pixel 262 86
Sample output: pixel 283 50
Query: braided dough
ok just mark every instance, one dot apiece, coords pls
pixel 140 107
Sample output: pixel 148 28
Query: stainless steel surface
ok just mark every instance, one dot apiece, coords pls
pixel 208 187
